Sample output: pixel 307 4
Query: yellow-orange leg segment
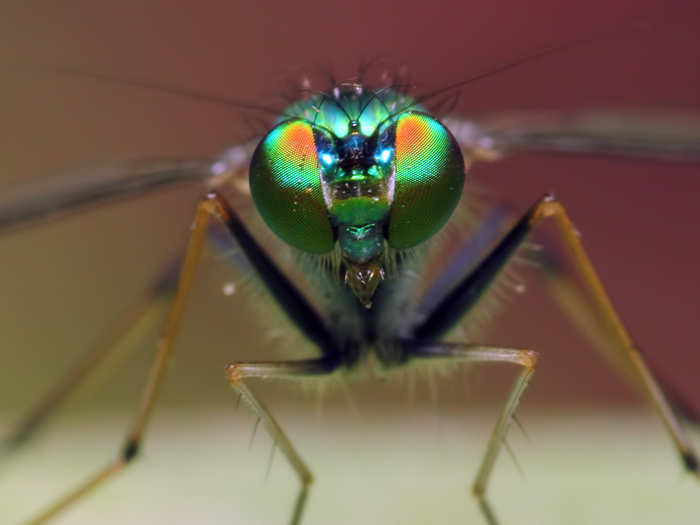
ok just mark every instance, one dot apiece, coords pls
pixel 118 339
pixel 466 294
pixel 210 206
pixel 625 348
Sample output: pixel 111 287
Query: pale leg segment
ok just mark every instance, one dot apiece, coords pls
pixel 480 354
pixel 237 372
pixel 465 294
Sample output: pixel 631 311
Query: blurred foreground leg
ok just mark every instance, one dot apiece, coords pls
pixel 115 344
pixel 209 206
pixel 623 348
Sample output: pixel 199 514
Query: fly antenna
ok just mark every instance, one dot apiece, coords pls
pixel 156 86
pixel 549 51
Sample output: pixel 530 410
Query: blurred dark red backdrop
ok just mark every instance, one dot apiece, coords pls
pixel 640 220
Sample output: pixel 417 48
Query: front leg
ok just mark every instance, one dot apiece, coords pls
pixel 475 353
pixel 467 293
pixel 237 372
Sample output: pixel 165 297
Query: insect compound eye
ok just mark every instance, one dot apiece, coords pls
pixel 285 183
pixel 429 176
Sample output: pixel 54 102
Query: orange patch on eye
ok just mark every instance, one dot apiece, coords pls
pixel 297 142
pixel 412 134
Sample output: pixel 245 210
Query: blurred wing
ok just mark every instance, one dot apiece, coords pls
pixel 91 186
pixel 660 136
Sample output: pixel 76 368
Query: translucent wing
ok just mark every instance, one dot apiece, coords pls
pixel 661 136
pixel 91 186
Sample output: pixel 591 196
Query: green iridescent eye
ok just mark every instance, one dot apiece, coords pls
pixel 429 178
pixel 285 183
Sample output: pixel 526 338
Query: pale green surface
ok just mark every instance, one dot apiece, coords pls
pixel 392 469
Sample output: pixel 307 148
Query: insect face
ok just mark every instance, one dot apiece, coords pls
pixel 359 175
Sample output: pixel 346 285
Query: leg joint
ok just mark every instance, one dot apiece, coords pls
pixel 131 450
pixel 547 206
pixel 528 359
pixel 234 373
pixel 690 461
pixel 307 479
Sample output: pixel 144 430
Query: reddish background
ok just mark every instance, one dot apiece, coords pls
pixel 64 282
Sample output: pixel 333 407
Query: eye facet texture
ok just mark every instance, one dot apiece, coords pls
pixel 285 184
pixel 428 180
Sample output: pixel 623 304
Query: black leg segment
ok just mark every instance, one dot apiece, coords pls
pixel 466 294
pixel 291 301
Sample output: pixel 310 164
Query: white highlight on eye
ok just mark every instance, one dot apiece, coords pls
pixel 385 155
pixel 228 288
